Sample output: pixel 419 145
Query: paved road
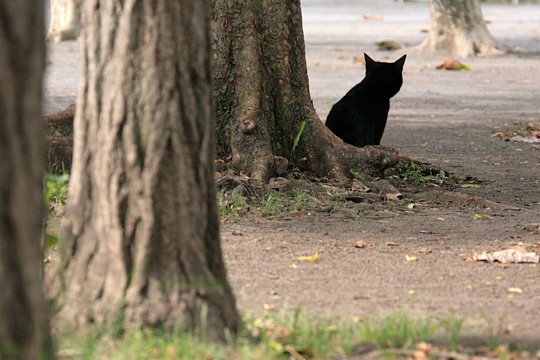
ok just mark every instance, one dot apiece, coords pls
pixel 331 24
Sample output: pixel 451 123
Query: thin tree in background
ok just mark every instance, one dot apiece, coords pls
pixel 458 26
pixel 65 20
pixel 24 317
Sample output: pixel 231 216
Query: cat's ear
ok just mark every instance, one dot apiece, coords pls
pixel 369 61
pixel 401 61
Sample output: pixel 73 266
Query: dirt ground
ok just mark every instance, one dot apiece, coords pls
pixel 443 117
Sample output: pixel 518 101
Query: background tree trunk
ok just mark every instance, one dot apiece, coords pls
pixel 262 91
pixel 24 324
pixel 458 26
pixel 65 20
pixel 141 247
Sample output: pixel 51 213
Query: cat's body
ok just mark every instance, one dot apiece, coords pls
pixel 359 118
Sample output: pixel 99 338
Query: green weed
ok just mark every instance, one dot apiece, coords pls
pixel 56 188
pixel 414 173
pixel 271 336
pixel 231 204
pixel 298 136
pixel 399 330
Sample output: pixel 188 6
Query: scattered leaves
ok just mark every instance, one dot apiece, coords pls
pixel 503 134
pixel 393 196
pixel 314 257
pixel 516 254
pixel 533 228
pixel 388 45
pixel 410 258
pixel 452 64
pixel 515 290
pixel 368 16
pixel 482 217
pixel 361 244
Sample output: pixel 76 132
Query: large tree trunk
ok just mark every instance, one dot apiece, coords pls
pixel 262 91
pixel 24 321
pixel 65 20
pixel 458 26
pixel 141 247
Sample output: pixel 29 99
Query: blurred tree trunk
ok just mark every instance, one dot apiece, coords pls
pixel 262 92
pixel 141 247
pixel 65 20
pixel 458 26
pixel 24 320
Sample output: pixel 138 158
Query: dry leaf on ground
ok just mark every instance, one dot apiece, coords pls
pixel 517 254
pixel 515 290
pixel 451 64
pixel 368 16
pixel 482 217
pixel 361 244
pixel 314 257
pixel 393 196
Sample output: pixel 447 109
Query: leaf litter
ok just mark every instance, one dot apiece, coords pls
pixel 515 255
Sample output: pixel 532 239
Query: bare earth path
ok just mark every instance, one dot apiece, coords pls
pixel 446 118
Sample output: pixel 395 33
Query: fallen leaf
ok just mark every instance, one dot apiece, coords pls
pixel 525 139
pixel 393 196
pixel 389 45
pixel 533 228
pixel 425 251
pixel 359 59
pixel 314 257
pixel 411 206
pixel 520 248
pixel 293 266
pixel 504 135
pixel 481 217
pixel 361 244
pixel 410 258
pixel 424 346
pixel 368 16
pixel 451 64
pixel 508 256
pixel 515 290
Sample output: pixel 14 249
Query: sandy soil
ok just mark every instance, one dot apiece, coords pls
pixel 446 118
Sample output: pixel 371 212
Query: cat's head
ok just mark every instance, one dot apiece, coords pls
pixel 387 76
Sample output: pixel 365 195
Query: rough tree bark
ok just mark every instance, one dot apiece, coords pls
pixel 65 20
pixel 141 247
pixel 262 92
pixel 24 324
pixel 458 26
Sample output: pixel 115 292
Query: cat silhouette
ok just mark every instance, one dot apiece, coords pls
pixel 359 118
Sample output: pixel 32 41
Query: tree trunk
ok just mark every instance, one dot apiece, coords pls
pixel 65 20
pixel 458 26
pixel 24 324
pixel 141 247
pixel 262 91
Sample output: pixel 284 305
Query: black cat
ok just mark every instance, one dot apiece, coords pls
pixel 360 116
